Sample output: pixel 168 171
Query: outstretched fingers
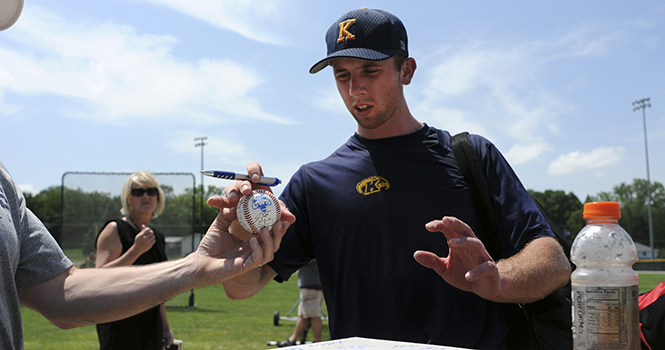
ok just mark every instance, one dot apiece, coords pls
pixel 451 227
pixel 470 249
pixel 460 237
pixel 468 266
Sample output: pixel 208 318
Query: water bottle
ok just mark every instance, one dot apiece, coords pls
pixel 604 284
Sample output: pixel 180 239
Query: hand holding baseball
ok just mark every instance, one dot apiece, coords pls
pixel 220 248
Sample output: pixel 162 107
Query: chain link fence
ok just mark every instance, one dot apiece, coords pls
pixel 90 199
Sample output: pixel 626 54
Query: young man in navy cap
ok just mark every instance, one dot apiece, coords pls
pixel 366 214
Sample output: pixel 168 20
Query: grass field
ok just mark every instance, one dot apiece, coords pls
pixel 215 323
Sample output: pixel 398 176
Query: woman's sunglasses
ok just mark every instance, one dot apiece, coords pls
pixel 139 192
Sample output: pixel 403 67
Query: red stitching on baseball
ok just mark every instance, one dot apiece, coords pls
pixel 245 209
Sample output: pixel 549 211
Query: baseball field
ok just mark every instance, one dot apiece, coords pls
pixel 215 323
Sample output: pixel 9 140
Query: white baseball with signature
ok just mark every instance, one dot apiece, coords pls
pixel 257 210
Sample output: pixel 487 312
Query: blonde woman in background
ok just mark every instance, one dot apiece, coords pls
pixel 130 240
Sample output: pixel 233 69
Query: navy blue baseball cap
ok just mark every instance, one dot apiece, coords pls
pixel 367 34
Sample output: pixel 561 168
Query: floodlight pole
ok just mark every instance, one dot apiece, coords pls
pixel 643 104
pixel 200 141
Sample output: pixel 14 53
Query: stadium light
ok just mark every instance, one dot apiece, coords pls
pixel 200 142
pixel 637 105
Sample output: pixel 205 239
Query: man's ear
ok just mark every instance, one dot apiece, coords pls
pixel 408 69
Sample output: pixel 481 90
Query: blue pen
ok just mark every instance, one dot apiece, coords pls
pixel 229 175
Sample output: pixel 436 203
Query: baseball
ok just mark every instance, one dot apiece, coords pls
pixel 257 210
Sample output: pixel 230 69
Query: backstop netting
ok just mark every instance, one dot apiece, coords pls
pixel 90 199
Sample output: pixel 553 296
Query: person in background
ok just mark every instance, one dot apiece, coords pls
pixel 311 302
pixel 35 273
pixel 130 240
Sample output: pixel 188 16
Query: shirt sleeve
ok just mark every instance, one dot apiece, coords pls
pixel 518 219
pixel 40 257
pixel 297 248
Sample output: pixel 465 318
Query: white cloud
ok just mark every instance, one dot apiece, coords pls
pixel 216 149
pixel 254 19
pixel 525 153
pixel 577 161
pixel 108 72
pixel 454 120
pixel 7 110
pixel 28 188
pixel 500 83
pixel 585 41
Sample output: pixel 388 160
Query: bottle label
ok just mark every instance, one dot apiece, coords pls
pixel 605 318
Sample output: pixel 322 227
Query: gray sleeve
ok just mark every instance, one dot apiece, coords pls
pixel 40 258
pixel 308 276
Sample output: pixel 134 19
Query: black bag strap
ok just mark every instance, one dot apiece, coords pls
pixel 553 310
pixel 469 167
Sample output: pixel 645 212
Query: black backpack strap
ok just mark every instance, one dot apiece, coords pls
pixel 539 325
pixel 473 175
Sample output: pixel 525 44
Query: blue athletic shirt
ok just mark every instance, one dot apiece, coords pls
pixel 361 213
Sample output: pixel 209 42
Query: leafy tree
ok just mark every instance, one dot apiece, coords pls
pixel 633 199
pixel 202 222
pixel 83 215
pixel 576 221
pixel 563 208
pixel 182 213
pixel 567 210
pixel 177 218
pixel 46 205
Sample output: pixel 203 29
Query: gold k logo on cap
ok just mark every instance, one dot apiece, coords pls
pixel 344 33
pixel 364 34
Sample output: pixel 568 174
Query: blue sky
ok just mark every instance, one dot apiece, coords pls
pixel 128 84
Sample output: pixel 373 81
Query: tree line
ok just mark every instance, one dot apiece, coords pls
pixel 57 208
pixel 565 208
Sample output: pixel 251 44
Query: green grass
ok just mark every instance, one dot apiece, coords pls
pixel 649 280
pixel 215 323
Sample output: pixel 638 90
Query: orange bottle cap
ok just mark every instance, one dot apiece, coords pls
pixel 596 209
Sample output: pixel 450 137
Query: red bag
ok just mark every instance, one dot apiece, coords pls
pixel 652 318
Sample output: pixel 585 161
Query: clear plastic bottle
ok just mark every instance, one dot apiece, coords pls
pixel 604 284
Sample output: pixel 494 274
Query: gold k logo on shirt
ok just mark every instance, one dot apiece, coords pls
pixel 372 184
pixel 344 33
